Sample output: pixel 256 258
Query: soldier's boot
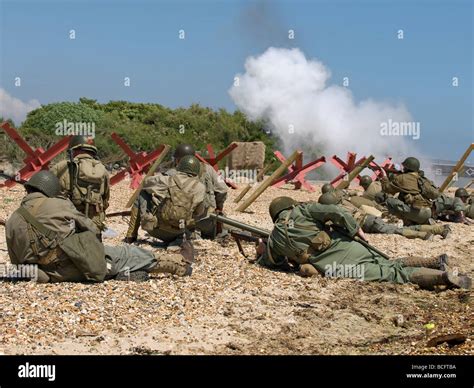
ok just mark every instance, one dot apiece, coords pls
pixel 307 270
pixel 440 230
pixel 410 233
pixel 173 263
pixel 430 278
pixel 437 262
pixel 134 224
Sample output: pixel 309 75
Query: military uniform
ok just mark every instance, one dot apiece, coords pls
pixel 96 211
pixel 372 190
pixel 214 199
pixel 410 205
pixel 298 235
pixel 373 224
pixel 448 206
pixel 27 245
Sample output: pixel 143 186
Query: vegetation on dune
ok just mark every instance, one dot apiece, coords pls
pixel 143 126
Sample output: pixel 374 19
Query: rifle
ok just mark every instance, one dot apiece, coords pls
pixel 122 213
pixel 360 241
pixel 247 232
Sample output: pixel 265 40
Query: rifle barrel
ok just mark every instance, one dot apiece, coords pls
pixel 240 225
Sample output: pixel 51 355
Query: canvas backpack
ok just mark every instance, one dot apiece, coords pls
pixel 176 210
pixel 87 172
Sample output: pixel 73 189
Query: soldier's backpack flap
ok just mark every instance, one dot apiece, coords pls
pixel 89 172
pixel 177 209
pixel 87 253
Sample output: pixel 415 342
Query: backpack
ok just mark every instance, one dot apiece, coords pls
pixel 87 173
pixel 428 190
pixel 176 210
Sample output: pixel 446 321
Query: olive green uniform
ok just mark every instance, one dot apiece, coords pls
pixel 155 191
pixel 410 206
pixel 96 213
pixel 372 190
pixel 215 196
pixel 373 224
pixel 60 216
pixel 298 236
pixel 444 205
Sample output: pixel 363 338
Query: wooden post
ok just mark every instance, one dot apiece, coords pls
pixel 456 168
pixel 267 182
pixel 469 184
pixel 246 189
pixel 150 172
pixel 344 184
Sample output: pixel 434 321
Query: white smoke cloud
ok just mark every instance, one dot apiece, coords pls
pixel 15 109
pixel 290 93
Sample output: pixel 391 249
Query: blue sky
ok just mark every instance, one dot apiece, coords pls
pixel 139 39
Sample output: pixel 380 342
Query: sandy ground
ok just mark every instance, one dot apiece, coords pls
pixel 230 306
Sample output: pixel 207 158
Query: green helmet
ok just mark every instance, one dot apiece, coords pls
pixel 81 142
pixel 327 188
pixel 189 164
pixel 461 193
pixel 365 181
pixel 411 164
pixel 279 204
pixel 328 199
pixel 183 150
pixel 46 182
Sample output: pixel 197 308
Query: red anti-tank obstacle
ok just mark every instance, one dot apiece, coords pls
pixel 347 166
pixel 297 172
pixel 36 160
pixel 138 164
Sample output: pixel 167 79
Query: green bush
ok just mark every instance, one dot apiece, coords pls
pixel 142 126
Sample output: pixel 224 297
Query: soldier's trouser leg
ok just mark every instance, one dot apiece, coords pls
pixel 374 224
pixel 348 258
pixel 441 230
pixel 408 213
pixel 207 227
pixel 140 206
pixel 128 258
pixel 133 225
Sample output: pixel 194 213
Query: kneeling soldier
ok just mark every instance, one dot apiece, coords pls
pixel 301 235
pixel 169 205
pixel 53 234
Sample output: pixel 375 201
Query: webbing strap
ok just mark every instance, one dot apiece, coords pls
pixel 36 224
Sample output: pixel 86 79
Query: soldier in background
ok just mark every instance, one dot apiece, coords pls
pixel 84 180
pixel 371 188
pixel 415 194
pixel 456 209
pixel 370 223
pixel 169 205
pixel 216 191
pixel 351 196
pixel 320 239
pixel 49 231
